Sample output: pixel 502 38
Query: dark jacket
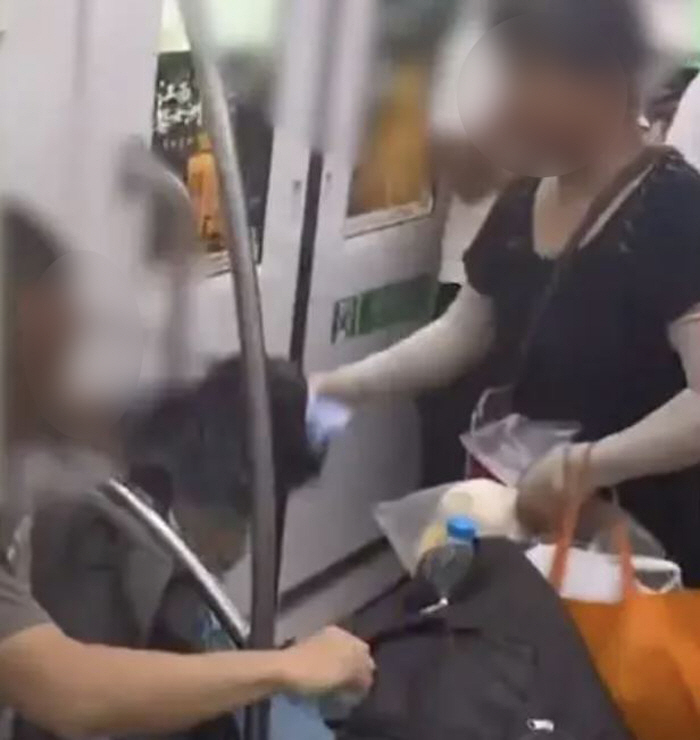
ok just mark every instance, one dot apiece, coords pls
pixel 104 580
pixel 503 662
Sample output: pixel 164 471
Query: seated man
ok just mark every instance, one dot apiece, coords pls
pixel 101 575
pixel 98 572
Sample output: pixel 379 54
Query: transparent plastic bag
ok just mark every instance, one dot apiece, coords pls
pixel 593 570
pixel 508 447
pixel 412 526
pixel 417 523
pixel 599 568
pixel 596 576
pixel 405 521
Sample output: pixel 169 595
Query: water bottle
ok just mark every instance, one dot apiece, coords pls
pixel 446 567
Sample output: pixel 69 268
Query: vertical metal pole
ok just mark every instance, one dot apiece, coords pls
pixel 247 298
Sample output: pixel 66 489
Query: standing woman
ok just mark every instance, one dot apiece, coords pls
pixel 617 347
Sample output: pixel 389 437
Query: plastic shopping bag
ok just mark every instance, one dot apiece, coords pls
pixel 508 447
pixel 403 522
pixel 418 523
pixel 326 419
pixel 646 647
pixel 595 576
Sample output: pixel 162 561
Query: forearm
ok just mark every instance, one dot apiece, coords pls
pixel 430 358
pixel 172 692
pixel 92 690
pixel 665 441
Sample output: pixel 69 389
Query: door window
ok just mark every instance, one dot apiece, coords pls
pixel 393 179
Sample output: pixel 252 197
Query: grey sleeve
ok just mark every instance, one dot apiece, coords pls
pixel 18 611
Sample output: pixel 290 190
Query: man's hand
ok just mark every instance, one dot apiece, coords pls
pixel 545 494
pixel 87 691
pixel 333 660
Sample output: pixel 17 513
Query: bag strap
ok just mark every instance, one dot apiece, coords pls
pixel 601 204
pixel 577 485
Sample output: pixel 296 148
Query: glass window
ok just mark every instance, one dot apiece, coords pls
pixel 393 178
pixel 394 166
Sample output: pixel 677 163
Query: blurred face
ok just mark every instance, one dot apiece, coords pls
pixel 217 534
pixel 45 330
pixel 48 328
pixel 550 119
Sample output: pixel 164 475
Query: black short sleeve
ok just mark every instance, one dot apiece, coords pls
pixel 667 253
pixel 493 253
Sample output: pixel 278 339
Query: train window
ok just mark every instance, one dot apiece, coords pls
pixel 393 179
pixel 178 131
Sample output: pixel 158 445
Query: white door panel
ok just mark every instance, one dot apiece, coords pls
pixel 379 457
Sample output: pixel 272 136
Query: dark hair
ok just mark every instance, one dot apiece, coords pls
pixel 192 442
pixel 584 34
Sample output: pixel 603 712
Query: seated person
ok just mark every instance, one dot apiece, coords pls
pixel 186 451
pixel 106 584
pixel 100 574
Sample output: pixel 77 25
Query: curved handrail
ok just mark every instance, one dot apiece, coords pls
pixel 223 608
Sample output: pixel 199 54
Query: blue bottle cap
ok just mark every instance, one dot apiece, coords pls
pixel 462 529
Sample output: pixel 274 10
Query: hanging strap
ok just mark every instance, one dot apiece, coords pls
pixel 577 483
pixel 600 205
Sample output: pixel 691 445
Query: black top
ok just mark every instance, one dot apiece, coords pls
pixel 601 354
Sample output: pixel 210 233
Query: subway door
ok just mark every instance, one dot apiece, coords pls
pixel 374 257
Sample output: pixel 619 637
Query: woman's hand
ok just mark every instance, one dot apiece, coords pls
pixel 545 494
pixel 321 385
pixel 334 660
pixel 326 417
pixel 332 385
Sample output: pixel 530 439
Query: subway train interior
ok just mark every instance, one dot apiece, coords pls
pixel 110 116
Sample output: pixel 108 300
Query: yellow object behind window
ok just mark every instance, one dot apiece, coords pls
pixel 394 168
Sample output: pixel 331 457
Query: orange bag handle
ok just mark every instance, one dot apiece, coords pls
pixel 577 481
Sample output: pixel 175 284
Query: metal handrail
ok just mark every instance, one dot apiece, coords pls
pixel 230 619
pixel 217 116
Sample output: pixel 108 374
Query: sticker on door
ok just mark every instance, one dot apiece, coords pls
pixel 405 302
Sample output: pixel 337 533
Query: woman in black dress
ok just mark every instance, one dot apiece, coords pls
pixel 617 348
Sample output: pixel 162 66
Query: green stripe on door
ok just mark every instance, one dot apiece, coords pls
pixel 409 301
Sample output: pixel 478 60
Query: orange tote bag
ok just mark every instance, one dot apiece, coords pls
pixel 646 647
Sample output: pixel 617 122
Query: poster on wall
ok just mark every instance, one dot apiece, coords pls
pixel 179 137
pixel 177 114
